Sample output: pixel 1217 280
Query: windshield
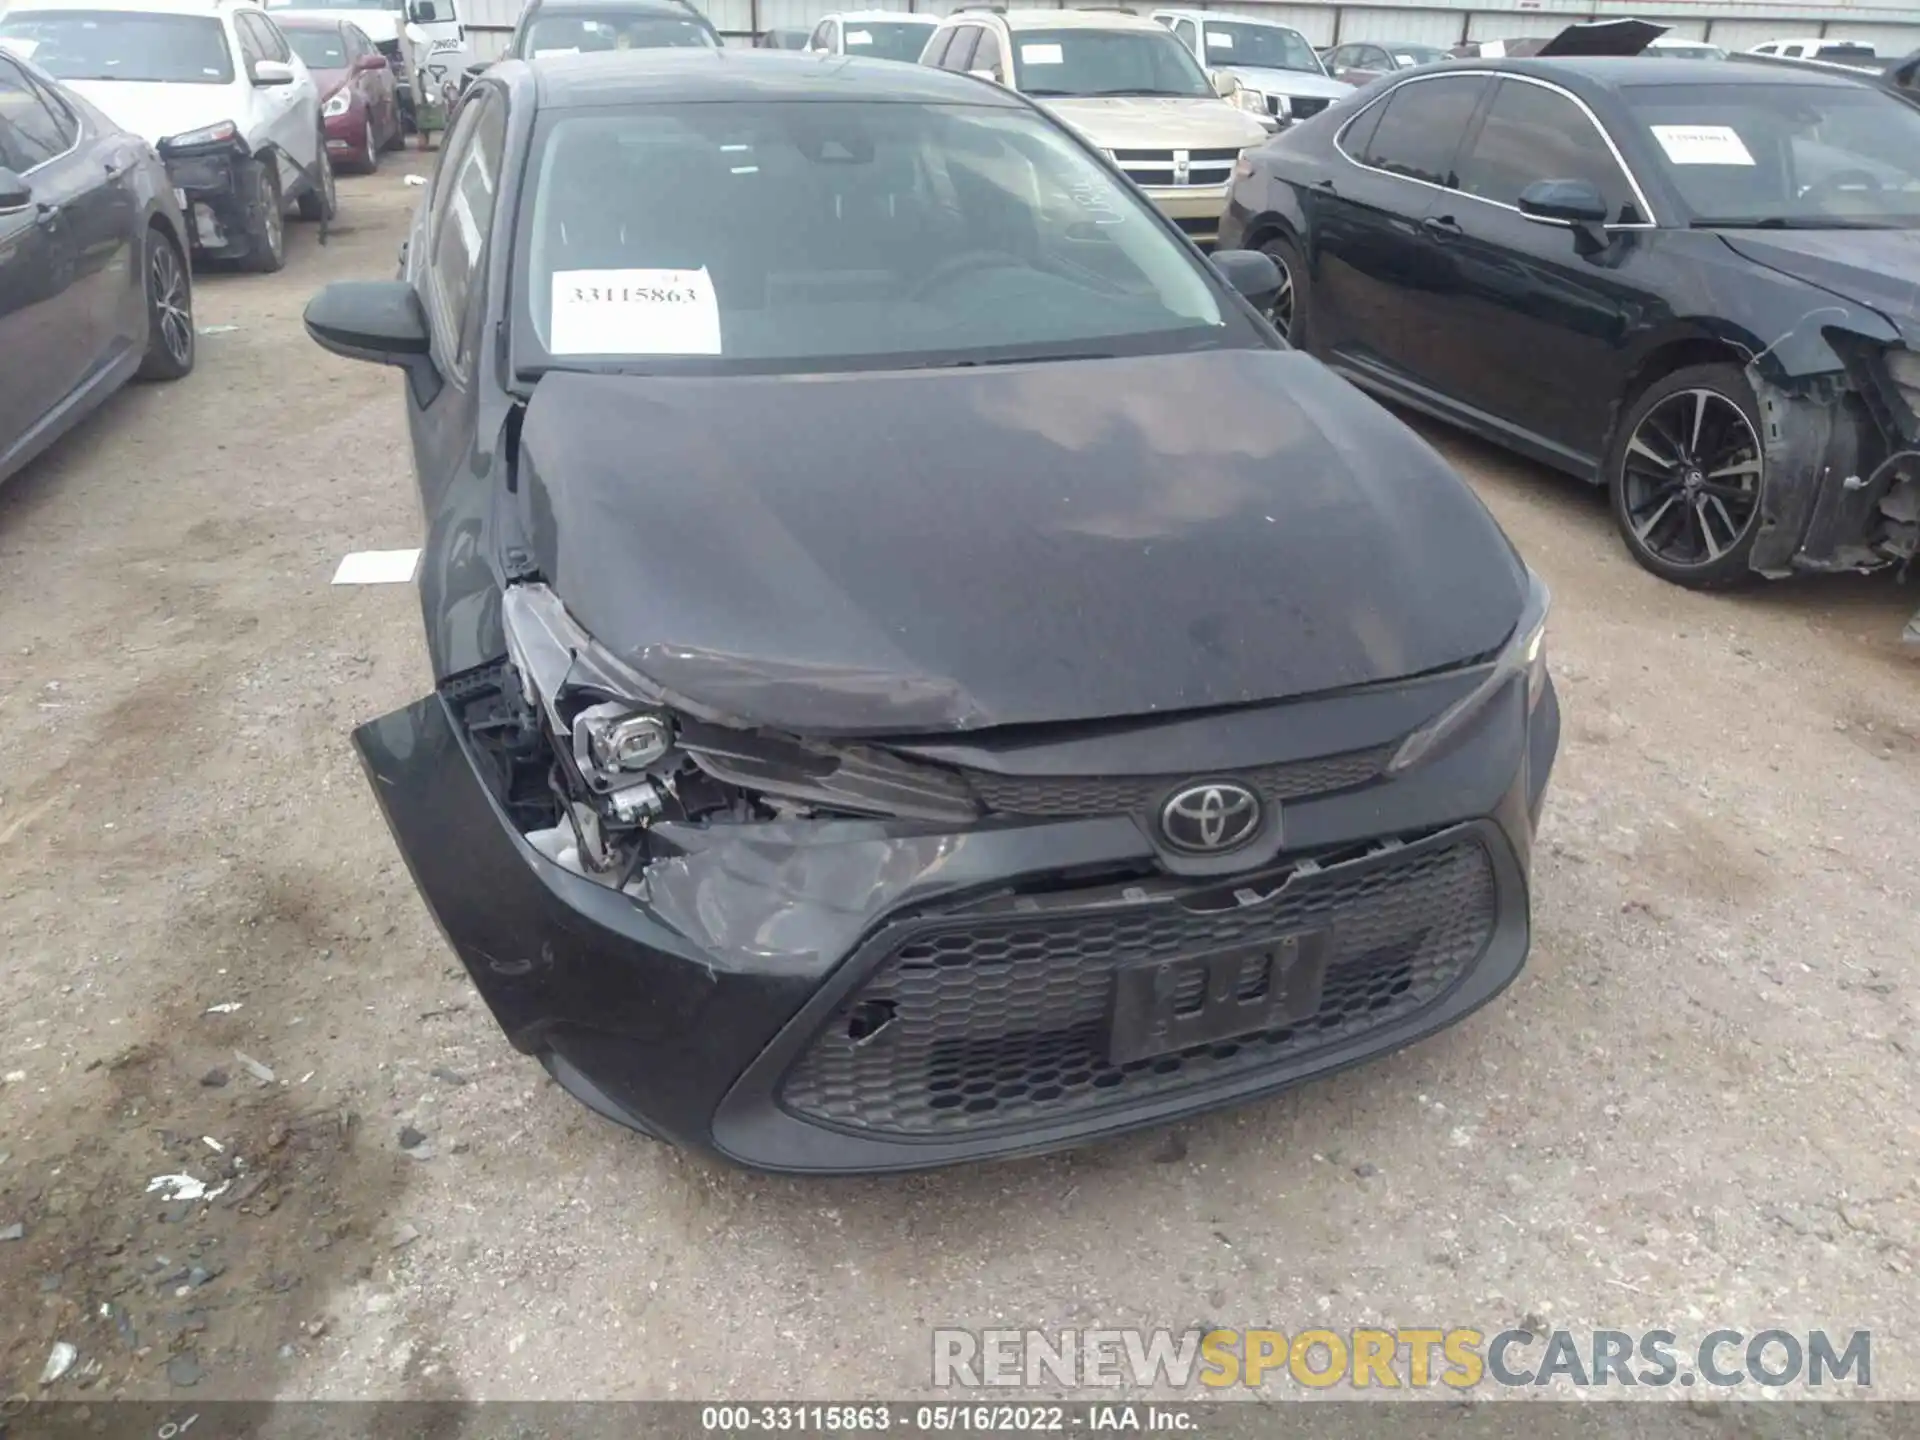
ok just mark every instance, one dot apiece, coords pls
pixel 888 39
pixel 124 45
pixel 883 235
pixel 336 5
pixel 563 34
pixel 1810 156
pixel 1105 62
pixel 319 49
pixel 1407 56
pixel 1260 47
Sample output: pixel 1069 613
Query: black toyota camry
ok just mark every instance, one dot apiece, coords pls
pixel 923 672
pixel 1690 281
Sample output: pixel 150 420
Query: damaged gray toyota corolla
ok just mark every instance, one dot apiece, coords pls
pixel 926 675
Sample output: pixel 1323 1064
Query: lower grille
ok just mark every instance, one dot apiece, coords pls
pixel 999 1018
pixel 1305 105
pixel 1067 795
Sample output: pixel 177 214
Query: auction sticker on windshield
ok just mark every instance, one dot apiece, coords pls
pixel 1702 144
pixel 1219 39
pixel 859 37
pixel 635 312
pixel 1041 55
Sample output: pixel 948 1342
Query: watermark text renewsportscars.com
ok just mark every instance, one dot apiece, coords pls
pixel 1410 1358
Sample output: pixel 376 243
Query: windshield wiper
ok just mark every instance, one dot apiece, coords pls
pixel 1789 222
pixel 965 364
pixel 1162 94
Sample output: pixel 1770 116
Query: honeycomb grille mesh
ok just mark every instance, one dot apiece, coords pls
pixel 1065 795
pixel 990 1023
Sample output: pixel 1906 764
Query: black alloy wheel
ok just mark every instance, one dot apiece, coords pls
pixel 1287 310
pixel 1686 477
pixel 267 248
pixel 169 311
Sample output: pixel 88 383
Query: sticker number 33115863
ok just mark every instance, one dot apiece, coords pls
pixel 634 312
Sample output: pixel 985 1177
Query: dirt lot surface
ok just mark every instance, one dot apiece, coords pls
pixel 1696 1108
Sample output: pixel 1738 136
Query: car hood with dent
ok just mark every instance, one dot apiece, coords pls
pixel 912 552
pixel 1158 122
pixel 1274 81
pixel 1875 268
pixel 157 111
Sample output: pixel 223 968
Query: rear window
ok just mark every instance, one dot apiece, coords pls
pixel 124 45
pixel 564 34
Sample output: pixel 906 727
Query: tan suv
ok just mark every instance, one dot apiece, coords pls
pixel 1126 85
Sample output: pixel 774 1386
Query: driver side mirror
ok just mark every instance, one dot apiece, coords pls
pixel 272 72
pixel 377 320
pixel 1251 273
pixel 993 75
pixel 371 62
pixel 15 194
pixel 1576 204
pixel 1224 85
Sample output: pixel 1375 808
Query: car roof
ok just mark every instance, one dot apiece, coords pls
pixel 624 7
pixel 1239 17
pixel 1610 72
pixel 1037 19
pixel 873 17
pixel 132 7
pixel 654 76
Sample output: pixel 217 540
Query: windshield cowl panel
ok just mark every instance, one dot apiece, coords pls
pixel 886 236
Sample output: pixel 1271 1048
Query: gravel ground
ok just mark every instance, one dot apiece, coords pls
pixel 1696 1108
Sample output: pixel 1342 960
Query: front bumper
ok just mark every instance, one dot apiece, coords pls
pixel 347 134
pixel 223 200
pixel 729 1006
pixel 1194 208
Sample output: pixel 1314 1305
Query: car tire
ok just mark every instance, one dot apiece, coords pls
pixel 318 202
pixel 267 242
pixel 170 332
pixel 1288 312
pixel 1685 472
pixel 397 140
pixel 369 152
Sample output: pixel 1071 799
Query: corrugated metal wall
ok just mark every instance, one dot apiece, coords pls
pixel 1891 31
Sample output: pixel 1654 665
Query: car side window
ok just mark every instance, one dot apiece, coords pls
pixel 1421 129
pixel 830 37
pixel 1532 133
pixel 34 126
pixel 253 48
pixel 937 49
pixel 463 217
pixel 960 53
pixel 274 39
pixel 1793 49
pixel 1187 33
pixel 1372 57
pixel 986 55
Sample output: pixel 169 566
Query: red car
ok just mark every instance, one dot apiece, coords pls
pixel 358 98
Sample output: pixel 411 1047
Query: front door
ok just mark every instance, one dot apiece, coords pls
pixel 1539 316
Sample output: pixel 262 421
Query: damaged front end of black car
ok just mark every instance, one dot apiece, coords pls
pixel 861 754
pixel 766 835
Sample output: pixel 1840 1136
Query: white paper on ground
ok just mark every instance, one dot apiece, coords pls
pixel 635 312
pixel 1701 144
pixel 1041 55
pixel 859 37
pixel 377 567
pixel 1219 40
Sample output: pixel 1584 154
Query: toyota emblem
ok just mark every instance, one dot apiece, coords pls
pixel 1210 819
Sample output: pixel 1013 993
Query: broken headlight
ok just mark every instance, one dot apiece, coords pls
pixel 641 758
pixel 1904 368
pixel 1524 653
